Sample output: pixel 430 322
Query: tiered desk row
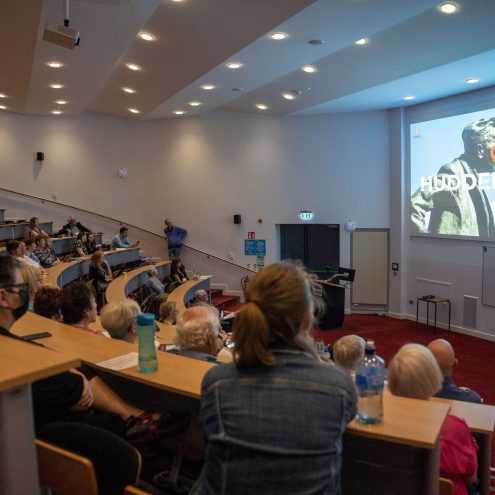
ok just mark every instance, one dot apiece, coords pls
pixel 401 455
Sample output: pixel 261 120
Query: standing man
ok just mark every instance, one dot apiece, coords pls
pixel 174 237
pixel 455 198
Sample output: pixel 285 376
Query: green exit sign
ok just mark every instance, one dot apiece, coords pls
pixel 306 215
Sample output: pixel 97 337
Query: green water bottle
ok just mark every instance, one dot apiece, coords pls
pixel 147 362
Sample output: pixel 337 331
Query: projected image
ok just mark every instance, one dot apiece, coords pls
pixel 452 176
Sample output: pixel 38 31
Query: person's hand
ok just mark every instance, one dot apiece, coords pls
pixel 87 398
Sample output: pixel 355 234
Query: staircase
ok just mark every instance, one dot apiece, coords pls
pixel 223 302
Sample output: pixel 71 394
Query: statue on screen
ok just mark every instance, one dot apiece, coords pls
pixel 454 202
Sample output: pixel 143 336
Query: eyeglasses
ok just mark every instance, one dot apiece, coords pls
pixel 12 286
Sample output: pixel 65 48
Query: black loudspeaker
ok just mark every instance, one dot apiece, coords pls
pixel 40 156
pixel 237 219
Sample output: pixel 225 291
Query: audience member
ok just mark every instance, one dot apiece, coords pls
pixel 278 377
pixel 155 286
pixel 197 334
pixel 414 372
pixel 34 228
pixel 44 252
pixel 30 249
pixel 79 249
pixel 47 303
pixel 174 237
pixel 178 273
pixel 100 275
pixel 444 354
pixel 201 296
pixel 23 257
pixel 14 250
pixel 91 244
pixel 118 318
pixel 348 351
pixel 121 240
pixel 168 313
pixel 72 227
pixel 32 278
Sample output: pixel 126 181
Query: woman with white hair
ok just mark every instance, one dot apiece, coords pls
pixel 118 318
pixel 414 373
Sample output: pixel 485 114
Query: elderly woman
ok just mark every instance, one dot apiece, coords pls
pixel 414 372
pixel 118 318
pixel 45 253
pixel 32 277
pixel 348 351
pixel 155 286
pixel 80 249
pixel 254 409
pixel 34 228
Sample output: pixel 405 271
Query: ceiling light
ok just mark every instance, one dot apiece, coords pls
pixel 56 86
pixel 289 95
pixel 133 110
pixel 278 36
pixel 129 90
pixel 261 106
pixel 208 87
pixel 3 107
pixel 233 65
pixel 362 41
pixel 195 103
pixel 179 112
pixel 56 112
pixel 146 36
pixel 61 102
pixel 472 80
pixel 448 7
pixel 3 95
pixel 410 97
pixel 316 42
pixel 54 64
pixel 309 69
pixel 133 66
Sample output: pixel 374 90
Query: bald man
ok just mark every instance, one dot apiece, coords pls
pixel 445 356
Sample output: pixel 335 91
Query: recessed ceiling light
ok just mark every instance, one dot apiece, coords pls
pixel 146 36
pixel 129 90
pixel 309 69
pixel 177 1
pixel 208 87
pixel 409 97
pixel 56 112
pixel 278 36
pixel 133 66
pixel 362 41
pixel 233 65
pixel 316 42
pixel 54 64
pixel 261 106
pixel 448 7
pixel 472 80
pixel 195 103
pixel 133 110
pixel 289 95
pixel 61 102
pixel 3 107
pixel 179 112
pixel 3 95
pixel 56 86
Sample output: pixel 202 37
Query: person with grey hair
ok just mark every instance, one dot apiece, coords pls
pixel 155 286
pixel 118 318
pixel 348 351
pixel 456 198
pixel 414 372
pixel 197 334
pixel 201 296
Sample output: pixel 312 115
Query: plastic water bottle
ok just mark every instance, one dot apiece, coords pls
pixel 147 362
pixel 370 377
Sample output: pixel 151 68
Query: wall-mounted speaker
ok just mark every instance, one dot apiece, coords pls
pixel 40 156
pixel 237 219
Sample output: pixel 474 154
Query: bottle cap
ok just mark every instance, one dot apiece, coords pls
pixel 145 319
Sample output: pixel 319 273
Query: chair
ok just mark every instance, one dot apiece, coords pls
pixel 134 490
pixel 116 462
pixel 446 487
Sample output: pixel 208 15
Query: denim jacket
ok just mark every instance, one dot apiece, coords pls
pixel 275 429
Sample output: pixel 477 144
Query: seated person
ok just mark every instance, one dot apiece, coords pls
pixel 72 228
pixel 168 313
pixel 178 273
pixel 100 274
pixel 32 278
pixel 14 250
pixel 444 354
pixel 201 296
pixel 91 244
pixel 155 286
pixel 34 228
pixel 348 351
pixel 47 303
pixel 414 373
pixel 79 249
pixel 197 334
pixel 44 252
pixel 118 318
pixel 24 257
pixel 121 240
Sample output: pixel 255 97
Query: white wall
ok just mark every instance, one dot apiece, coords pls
pixel 201 171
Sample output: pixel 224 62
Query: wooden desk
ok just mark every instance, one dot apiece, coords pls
pixel 21 364
pixel 64 245
pixel 68 271
pixel 130 281
pixel 21 229
pixel 185 292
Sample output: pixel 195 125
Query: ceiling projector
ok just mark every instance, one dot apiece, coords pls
pixel 61 35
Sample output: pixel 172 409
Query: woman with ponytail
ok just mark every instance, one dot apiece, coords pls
pixel 273 420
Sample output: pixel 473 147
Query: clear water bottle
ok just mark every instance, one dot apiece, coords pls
pixel 370 377
pixel 147 362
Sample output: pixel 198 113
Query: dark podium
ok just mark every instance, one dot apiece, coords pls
pixel 333 297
